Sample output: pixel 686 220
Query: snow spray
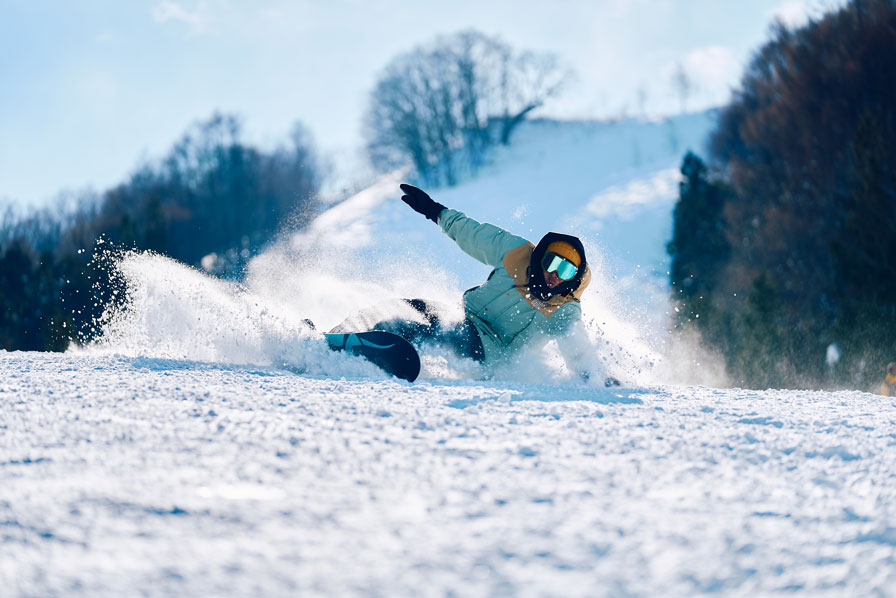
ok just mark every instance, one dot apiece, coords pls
pixel 363 253
pixel 173 311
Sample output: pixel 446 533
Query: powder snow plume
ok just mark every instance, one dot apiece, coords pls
pixel 173 311
pixel 323 275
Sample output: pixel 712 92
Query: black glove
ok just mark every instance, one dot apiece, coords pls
pixel 421 202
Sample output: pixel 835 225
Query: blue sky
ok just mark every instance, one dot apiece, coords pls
pixel 89 88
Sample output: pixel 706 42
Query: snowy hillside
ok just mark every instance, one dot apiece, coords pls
pixel 211 444
pixel 612 184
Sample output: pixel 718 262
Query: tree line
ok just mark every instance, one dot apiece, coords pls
pixel 211 202
pixel 784 241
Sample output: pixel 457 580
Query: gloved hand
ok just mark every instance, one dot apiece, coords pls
pixel 421 202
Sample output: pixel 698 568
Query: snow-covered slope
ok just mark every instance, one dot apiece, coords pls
pixel 151 477
pixel 212 445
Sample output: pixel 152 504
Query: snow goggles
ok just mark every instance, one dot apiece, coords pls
pixel 564 268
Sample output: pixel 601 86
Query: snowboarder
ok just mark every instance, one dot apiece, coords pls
pixel 888 388
pixel 531 296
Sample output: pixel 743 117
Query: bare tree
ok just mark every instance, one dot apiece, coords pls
pixel 438 106
pixel 530 80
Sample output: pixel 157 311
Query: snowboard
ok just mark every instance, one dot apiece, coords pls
pixel 391 353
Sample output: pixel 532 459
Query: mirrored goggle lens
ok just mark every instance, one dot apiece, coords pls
pixel 564 268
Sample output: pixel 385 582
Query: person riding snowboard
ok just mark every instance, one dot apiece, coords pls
pixel 531 296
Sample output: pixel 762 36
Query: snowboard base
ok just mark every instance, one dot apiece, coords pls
pixel 391 353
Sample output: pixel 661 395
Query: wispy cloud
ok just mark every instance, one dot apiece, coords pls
pixel 107 36
pixel 170 11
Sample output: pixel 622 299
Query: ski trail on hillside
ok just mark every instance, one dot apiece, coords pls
pixel 348 224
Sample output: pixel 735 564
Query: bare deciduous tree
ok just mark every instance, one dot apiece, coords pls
pixel 442 106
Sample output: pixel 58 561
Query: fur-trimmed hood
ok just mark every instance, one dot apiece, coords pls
pixel 537 284
pixel 523 264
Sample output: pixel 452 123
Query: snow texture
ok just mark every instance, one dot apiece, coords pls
pixel 211 444
pixel 140 476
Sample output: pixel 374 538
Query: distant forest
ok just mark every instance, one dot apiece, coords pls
pixel 212 201
pixel 784 243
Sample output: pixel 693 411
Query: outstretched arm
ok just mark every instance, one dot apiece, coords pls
pixel 481 241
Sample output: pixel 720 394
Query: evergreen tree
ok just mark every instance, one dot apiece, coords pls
pixel 698 247
pixel 211 193
pixel 807 150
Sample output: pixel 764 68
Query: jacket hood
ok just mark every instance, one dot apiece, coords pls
pixel 537 284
